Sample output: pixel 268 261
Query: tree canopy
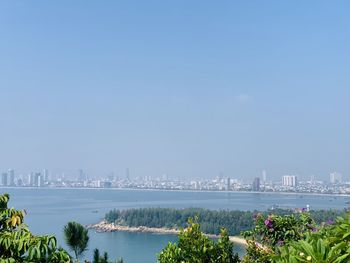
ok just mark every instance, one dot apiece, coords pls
pixel 297 238
pixel 18 244
pixel 77 238
pixel 211 221
pixel 195 247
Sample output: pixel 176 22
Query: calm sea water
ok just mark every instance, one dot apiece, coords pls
pixel 50 209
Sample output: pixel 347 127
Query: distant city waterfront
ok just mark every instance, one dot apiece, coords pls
pixel 48 210
pixel 288 183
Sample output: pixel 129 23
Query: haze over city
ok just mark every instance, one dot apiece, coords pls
pixel 193 91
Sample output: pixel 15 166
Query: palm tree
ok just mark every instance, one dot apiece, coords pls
pixel 105 258
pixel 96 256
pixel 98 259
pixel 76 237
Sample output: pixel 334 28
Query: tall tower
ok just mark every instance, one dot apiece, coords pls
pixel 81 175
pixel 4 181
pixel 46 175
pixel 127 174
pixel 11 177
pixel 335 178
pixel 256 184
pixel 38 179
pixel 264 176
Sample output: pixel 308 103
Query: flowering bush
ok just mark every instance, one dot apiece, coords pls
pixel 331 244
pixel 276 230
pixel 289 238
pixel 271 232
pixel 296 238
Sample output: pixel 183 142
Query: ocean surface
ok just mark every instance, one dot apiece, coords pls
pixel 48 210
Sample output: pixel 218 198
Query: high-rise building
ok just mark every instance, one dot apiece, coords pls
pixel 11 177
pixel 289 180
pixel 82 176
pixel 46 175
pixel 264 176
pixel 31 179
pixel 164 177
pixel 312 179
pixel 256 184
pixel 228 187
pixel 335 178
pixel 38 180
pixel 4 181
pixel 127 175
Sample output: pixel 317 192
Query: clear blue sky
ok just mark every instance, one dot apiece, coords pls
pixel 187 88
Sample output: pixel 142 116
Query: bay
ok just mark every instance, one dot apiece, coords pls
pixel 48 210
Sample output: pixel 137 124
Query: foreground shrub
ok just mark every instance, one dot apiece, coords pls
pixel 272 232
pixel 76 237
pixel 330 244
pixel 18 244
pixel 296 238
pixel 195 247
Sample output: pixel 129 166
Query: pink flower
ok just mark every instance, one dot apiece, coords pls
pixel 268 223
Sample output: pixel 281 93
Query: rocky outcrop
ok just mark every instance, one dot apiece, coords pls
pixel 104 226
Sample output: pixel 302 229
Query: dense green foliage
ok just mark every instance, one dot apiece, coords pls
pixel 211 221
pixel 97 258
pixel 297 238
pixel 193 246
pixel 76 237
pixel 289 238
pixel 272 231
pixel 280 237
pixel 329 244
pixel 18 244
pixel 276 230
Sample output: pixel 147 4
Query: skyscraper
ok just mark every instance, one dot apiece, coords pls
pixel 256 184
pixel 228 188
pixel 31 179
pixel 264 176
pixel 46 175
pixel 11 177
pixel 82 176
pixel 38 180
pixel 4 180
pixel 289 180
pixel 127 174
pixel 335 178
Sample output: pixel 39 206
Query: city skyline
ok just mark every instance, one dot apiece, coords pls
pixel 288 183
pixel 83 174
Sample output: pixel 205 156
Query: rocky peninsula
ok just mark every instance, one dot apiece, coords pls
pixel 104 226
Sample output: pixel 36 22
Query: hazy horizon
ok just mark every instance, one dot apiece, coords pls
pixel 185 88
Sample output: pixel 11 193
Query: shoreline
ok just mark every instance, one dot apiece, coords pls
pixel 104 227
pixel 177 190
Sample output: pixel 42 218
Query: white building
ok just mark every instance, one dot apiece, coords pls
pixel 289 180
pixel 11 177
pixel 335 178
pixel 264 176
